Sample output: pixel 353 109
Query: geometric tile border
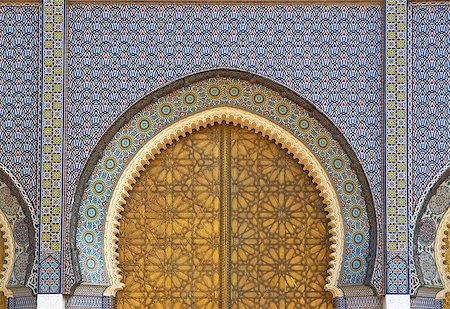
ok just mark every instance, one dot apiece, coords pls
pixel 52 140
pixel 396 155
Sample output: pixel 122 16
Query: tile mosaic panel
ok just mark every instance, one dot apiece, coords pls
pixel 329 54
pixel 20 94
pixel 430 117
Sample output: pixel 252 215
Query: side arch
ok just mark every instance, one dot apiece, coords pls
pixel 8 265
pixel 191 96
pixel 432 236
pixel 17 219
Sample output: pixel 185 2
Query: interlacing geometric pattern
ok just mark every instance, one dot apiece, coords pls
pixel 224 217
pixel 280 249
pixel 20 68
pixel 52 117
pixel 396 141
pixel 169 232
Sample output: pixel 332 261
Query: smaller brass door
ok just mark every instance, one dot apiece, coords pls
pixel 224 218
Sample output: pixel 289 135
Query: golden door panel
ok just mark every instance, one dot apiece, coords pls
pixel 447 263
pixel 224 218
pixel 280 247
pixel 169 233
pixel 2 262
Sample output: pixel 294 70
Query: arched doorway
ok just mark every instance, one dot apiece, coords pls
pixel 224 218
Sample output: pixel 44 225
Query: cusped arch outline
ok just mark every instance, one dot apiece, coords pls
pixel 88 263
pixel 440 248
pixel 244 119
pixel 8 265
pixel 441 237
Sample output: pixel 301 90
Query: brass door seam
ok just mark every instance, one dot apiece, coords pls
pixel 225 213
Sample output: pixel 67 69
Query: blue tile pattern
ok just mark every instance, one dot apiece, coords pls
pixel 19 94
pixel 430 119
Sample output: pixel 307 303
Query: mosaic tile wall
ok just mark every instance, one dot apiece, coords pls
pixel 434 211
pixel 430 119
pixel 20 66
pixel 20 94
pixel 331 55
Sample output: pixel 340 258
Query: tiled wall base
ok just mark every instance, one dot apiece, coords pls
pixel 426 303
pixel 53 301
pixel 397 301
pixel 89 302
pixel 22 302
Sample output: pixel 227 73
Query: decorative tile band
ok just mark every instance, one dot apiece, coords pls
pixel 51 146
pixel 396 144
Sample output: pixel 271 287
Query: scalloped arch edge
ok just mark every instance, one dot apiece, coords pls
pixel 8 265
pixel 235 116
pixel 442 234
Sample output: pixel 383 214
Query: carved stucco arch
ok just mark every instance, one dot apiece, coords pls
pixel 442 235
pixel 251 121
pixel 8 221
pixel 8 265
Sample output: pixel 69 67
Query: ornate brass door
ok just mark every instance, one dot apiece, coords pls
pixel 2 262
pixel 224 218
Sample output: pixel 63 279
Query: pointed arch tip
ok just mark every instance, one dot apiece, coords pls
pixel 244 119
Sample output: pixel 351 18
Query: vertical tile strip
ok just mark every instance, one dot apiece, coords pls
pixel 396 147
pixel 52 147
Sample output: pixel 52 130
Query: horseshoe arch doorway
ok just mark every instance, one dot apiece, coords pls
pixel 224 218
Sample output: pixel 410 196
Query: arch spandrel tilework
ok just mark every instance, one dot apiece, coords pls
pixel 204 96
pixel 430 116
